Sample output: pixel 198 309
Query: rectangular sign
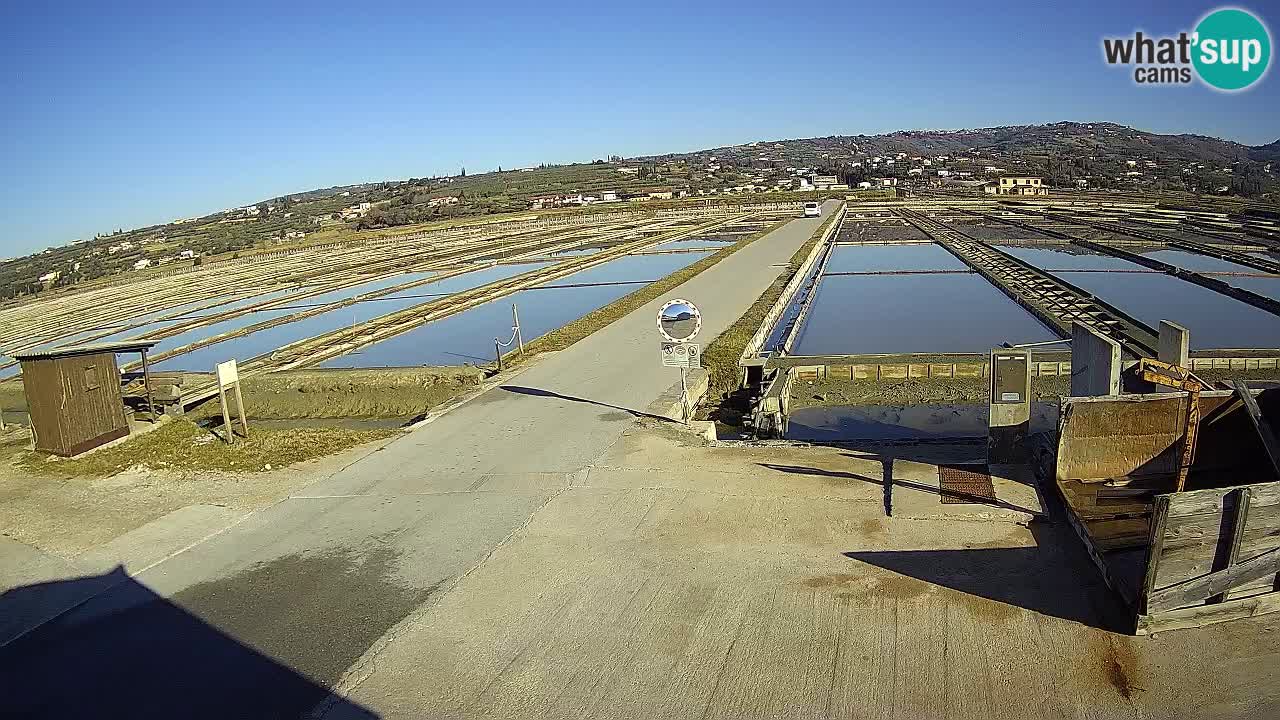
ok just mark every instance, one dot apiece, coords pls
pixel 681 355
pixel 228 374
pixel 1010 377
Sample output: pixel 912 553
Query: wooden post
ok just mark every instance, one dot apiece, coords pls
pixel 497 350
pixel 1260 425
pixel 1190 432
pixel 228 377
pixel 1239 517
pixel 244 419
pixel 226 417
pixel 146 382
pixel 1155 547
pixel 515 318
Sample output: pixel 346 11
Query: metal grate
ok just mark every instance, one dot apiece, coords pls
pixel 962 485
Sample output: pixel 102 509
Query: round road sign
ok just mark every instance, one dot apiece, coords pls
pixel 679 320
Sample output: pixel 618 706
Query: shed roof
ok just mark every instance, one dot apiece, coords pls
pixel 58 352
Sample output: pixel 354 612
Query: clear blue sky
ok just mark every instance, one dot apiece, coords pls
pixel 117 115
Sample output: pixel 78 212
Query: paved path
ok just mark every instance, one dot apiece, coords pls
pixel 262 619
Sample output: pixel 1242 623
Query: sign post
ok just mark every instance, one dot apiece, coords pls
pixel 515 322
pixel 679 321
pixel 229 379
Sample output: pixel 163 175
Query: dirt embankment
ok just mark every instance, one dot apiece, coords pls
pixel 375 393
pixel 914 391
pixel 301 394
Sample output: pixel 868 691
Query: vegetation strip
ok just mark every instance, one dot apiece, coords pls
pixel 605 316
pixel 724 401
pixel 184 445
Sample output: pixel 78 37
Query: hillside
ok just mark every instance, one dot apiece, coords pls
pixel 1265 153
pixel 1068 154
pixel 1072 139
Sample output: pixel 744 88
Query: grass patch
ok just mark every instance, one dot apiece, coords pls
pixel 357 393
pixel 602 317
pixel 726 402
pixel 185 446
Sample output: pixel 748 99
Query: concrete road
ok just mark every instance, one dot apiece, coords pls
pixel 261 620
pixel 681 581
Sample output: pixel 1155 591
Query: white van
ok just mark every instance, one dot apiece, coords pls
pixel 812 209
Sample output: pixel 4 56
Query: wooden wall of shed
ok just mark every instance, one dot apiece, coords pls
pixel 41 383
pixel 68 415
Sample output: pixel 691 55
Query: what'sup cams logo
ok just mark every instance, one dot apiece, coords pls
pixel 1230 50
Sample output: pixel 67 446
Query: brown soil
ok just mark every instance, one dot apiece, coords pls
pixel 913 391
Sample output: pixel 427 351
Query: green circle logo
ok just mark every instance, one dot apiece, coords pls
pixel 1232 49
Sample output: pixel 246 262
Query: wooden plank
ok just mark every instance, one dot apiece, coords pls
pixel 1108 576
pixel 1191 548
pixel 1210 500
pixel 1118 534
pixel 1198 589
pixel 1110 494
pixel 1155 549
pixel 1087 502
pixel 1260 424
pixel 1202 615
pixel 1239 517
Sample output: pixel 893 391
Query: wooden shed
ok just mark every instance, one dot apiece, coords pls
pixel 74 396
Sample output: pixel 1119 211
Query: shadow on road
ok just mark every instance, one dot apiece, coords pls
pixel 141 656
pixel 1051 578
pixel 538 392
pixel 1055 577
pixel 889 482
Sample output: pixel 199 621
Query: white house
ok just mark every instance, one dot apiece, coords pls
pixel 143 263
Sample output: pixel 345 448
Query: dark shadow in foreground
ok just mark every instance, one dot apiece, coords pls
pixel 143 656
pixel 1053 578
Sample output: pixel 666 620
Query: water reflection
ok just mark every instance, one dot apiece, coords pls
pixel 1216 321
pixel 263 341
pixel 467 338
pixel 913 313
pixel 880 258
